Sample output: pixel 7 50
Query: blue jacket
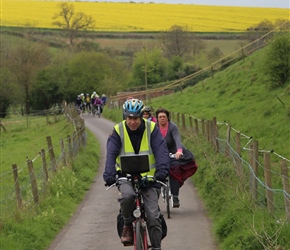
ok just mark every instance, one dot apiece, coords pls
pixel 158 145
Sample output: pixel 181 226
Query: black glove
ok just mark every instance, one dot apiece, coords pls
pixel 144 183
pixel 160 177
pixel 110 181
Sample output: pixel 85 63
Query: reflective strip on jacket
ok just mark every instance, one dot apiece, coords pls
pixel 145 147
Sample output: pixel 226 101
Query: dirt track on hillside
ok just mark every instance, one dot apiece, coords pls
pixel 93 226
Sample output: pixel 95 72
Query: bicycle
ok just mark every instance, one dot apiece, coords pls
pixel 140 234
pixel 167 197
pixel 166 192
pixel 98 110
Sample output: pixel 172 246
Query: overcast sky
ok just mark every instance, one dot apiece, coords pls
pixel 247 3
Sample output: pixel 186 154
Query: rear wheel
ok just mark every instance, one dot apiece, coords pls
pixel 98 111
pixel 139 236
pixel 168 201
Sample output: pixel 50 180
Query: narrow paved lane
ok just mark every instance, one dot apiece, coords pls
pixel 94 224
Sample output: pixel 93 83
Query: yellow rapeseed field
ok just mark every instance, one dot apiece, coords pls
pixel 144 17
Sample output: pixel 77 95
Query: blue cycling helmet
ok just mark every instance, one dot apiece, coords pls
pixel 133 108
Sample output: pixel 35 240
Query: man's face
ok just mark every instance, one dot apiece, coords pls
pixel 133 122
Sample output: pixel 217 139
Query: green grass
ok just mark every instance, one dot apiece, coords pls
pixel 28 136
pixel 239 96
pixel 34 227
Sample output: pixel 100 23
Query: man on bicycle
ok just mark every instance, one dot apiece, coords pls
pixel 136 135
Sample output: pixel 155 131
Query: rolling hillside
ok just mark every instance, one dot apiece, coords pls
pixel 239 96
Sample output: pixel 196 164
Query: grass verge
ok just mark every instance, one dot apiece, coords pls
pixel 35 227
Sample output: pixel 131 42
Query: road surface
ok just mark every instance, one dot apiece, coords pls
pixel 93 226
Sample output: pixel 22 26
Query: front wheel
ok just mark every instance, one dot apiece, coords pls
pixel 139 237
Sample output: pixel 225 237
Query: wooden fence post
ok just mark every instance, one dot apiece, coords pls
pixel 212 132
pixel 178 118
pixel 254 173
pixel 17 186
pixel 190 122
pixel 196 125
pixel 256 166
pixel 171 114
pixel 268 182
pixel 183 121
pixel 33 182
pixel 215 135
pixel 44 165
pixel 227 149
pixel 84 135
pixel 63 152
pixel 203 127
pixel 79 136
pixel 75 143
pixel 286 187
pixel 238 160
pixel 69 146
pixel 207 131
pixel 51 153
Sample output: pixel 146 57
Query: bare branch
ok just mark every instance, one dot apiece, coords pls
pixel 72 21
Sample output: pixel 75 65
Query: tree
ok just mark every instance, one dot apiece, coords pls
pixel 46 92
pixel 24 62
pixel 6 91
pixel 176 42
pixel 72 22
pixel 93 71
pixel 157 67
pixel 277 61
pixel 282 25
pixel 214 54
pixel 260 29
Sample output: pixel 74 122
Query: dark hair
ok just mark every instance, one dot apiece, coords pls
pixel 162 110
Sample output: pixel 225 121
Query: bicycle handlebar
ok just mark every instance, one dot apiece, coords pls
pixel 129 178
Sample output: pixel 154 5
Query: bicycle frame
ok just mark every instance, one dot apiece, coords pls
pixel 139 225
pixel 140 235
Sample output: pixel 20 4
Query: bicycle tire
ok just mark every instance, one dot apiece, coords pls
pixel 168 200
pixel 139 236
pixel 98 111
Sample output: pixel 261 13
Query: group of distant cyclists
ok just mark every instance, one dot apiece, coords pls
pixel 90 104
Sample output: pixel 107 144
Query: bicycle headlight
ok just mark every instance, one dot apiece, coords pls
pixel 137 213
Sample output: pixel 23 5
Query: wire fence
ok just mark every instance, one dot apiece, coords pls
pixel 265 172
pixel 25 185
